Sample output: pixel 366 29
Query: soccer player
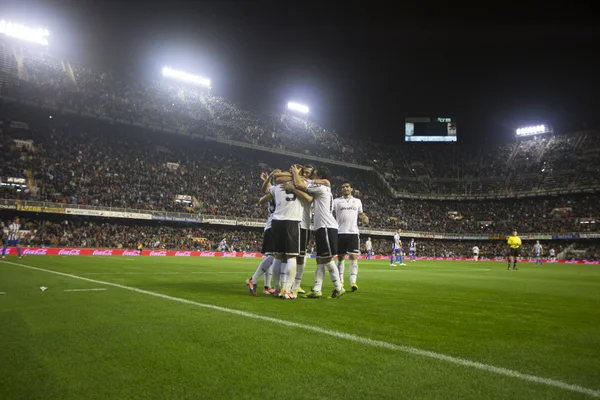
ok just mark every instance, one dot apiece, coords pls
pixel 286 238
pixel 369 248
pixel 13 238
pixel 552 255
pixel 348 210
pixel 140 248
pixel 265 267
pixel 223 246
pixel 475 253
pixel 396 250
pixel 412 250
pixel 514 244
pixel 538 250
pixel 326 230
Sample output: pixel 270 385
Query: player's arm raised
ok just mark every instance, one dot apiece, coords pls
pixel 265 198
pixel 267 181
pixel 299 181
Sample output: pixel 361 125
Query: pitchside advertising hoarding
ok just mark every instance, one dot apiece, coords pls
pixel 36 251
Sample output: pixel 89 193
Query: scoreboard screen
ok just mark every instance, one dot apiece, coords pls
pixel 430 130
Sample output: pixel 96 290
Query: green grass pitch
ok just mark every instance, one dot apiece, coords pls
pixel 121 344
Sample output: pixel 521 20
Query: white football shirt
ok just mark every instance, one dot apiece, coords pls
pixel 397 241
pixel 287 205
pixel 13 231
pixel 306 213
pixel 368 245
pixel 551 252
pixel 475 250
pixel 323 203
pixel 347 211
pixel 270 210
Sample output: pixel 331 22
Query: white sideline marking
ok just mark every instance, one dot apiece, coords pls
pixel 164 273
pixel 348 336
pixel 84 290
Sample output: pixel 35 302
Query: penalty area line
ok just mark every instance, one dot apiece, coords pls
pixel 347 336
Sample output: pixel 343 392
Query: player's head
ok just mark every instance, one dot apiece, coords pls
pixel 515 233
pixel 537 242
pixel 412 240
pixel 346 189
pixel 322 172
pixel 369 238
pixel 16 219
pixel 307 171
pixel 398 230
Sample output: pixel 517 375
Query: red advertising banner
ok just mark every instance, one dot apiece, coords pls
pixel 178 253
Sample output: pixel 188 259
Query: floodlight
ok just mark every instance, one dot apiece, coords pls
pixel 184 76
pixel 297 107
pixel 533 130
pixel 25 33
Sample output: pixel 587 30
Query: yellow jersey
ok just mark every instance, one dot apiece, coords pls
pixel 514 242
pixel 140 247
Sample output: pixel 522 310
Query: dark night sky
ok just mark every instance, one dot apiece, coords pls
pixel 362 68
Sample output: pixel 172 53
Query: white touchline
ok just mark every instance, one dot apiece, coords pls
pixel 84 290
pixel 341 335
pixel 165 273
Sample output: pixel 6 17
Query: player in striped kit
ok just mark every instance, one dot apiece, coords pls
pixel 538 250
pixel 396 250
pixel 412 250
pixel 12 238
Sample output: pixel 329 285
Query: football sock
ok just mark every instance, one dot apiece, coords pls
pixel 515 265
pixel 400 257
pixel 276 274
pixel 319 275
pixel 334 274
pixel 19 251
pixel 291 272
pixel 508 264
pixel 341 264
pixel 268 275
pixel 299 273
pixel 392 260
pixel 3 251
pixel 353 271
pixel 263 267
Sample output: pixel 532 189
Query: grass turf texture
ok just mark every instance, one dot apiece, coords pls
pixel 118 344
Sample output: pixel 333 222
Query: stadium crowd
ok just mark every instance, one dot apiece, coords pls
pixel 82 232
pixel 78 161
pixel 552 162
pixel 90 161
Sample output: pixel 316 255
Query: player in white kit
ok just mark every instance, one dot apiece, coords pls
pixel 552 255
pixel 326 230
pixel 475 253
pixel 348 210
pixel 265 267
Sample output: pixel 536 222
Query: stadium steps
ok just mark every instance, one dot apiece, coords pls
pixel 21 67
pixel 69 71
pixel 31 182
pixel 563 254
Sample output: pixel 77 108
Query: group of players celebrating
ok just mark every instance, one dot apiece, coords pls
pixel 291 197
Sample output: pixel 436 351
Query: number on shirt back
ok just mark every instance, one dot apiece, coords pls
pixel 288 198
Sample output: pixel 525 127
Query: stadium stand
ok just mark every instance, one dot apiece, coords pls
pixel 106 146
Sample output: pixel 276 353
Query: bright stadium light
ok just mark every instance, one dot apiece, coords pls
pixel 297 107
pixel 25 33
pixel 184 76
pixel 533 130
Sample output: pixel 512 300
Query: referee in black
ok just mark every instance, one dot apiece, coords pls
pixel 514 244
